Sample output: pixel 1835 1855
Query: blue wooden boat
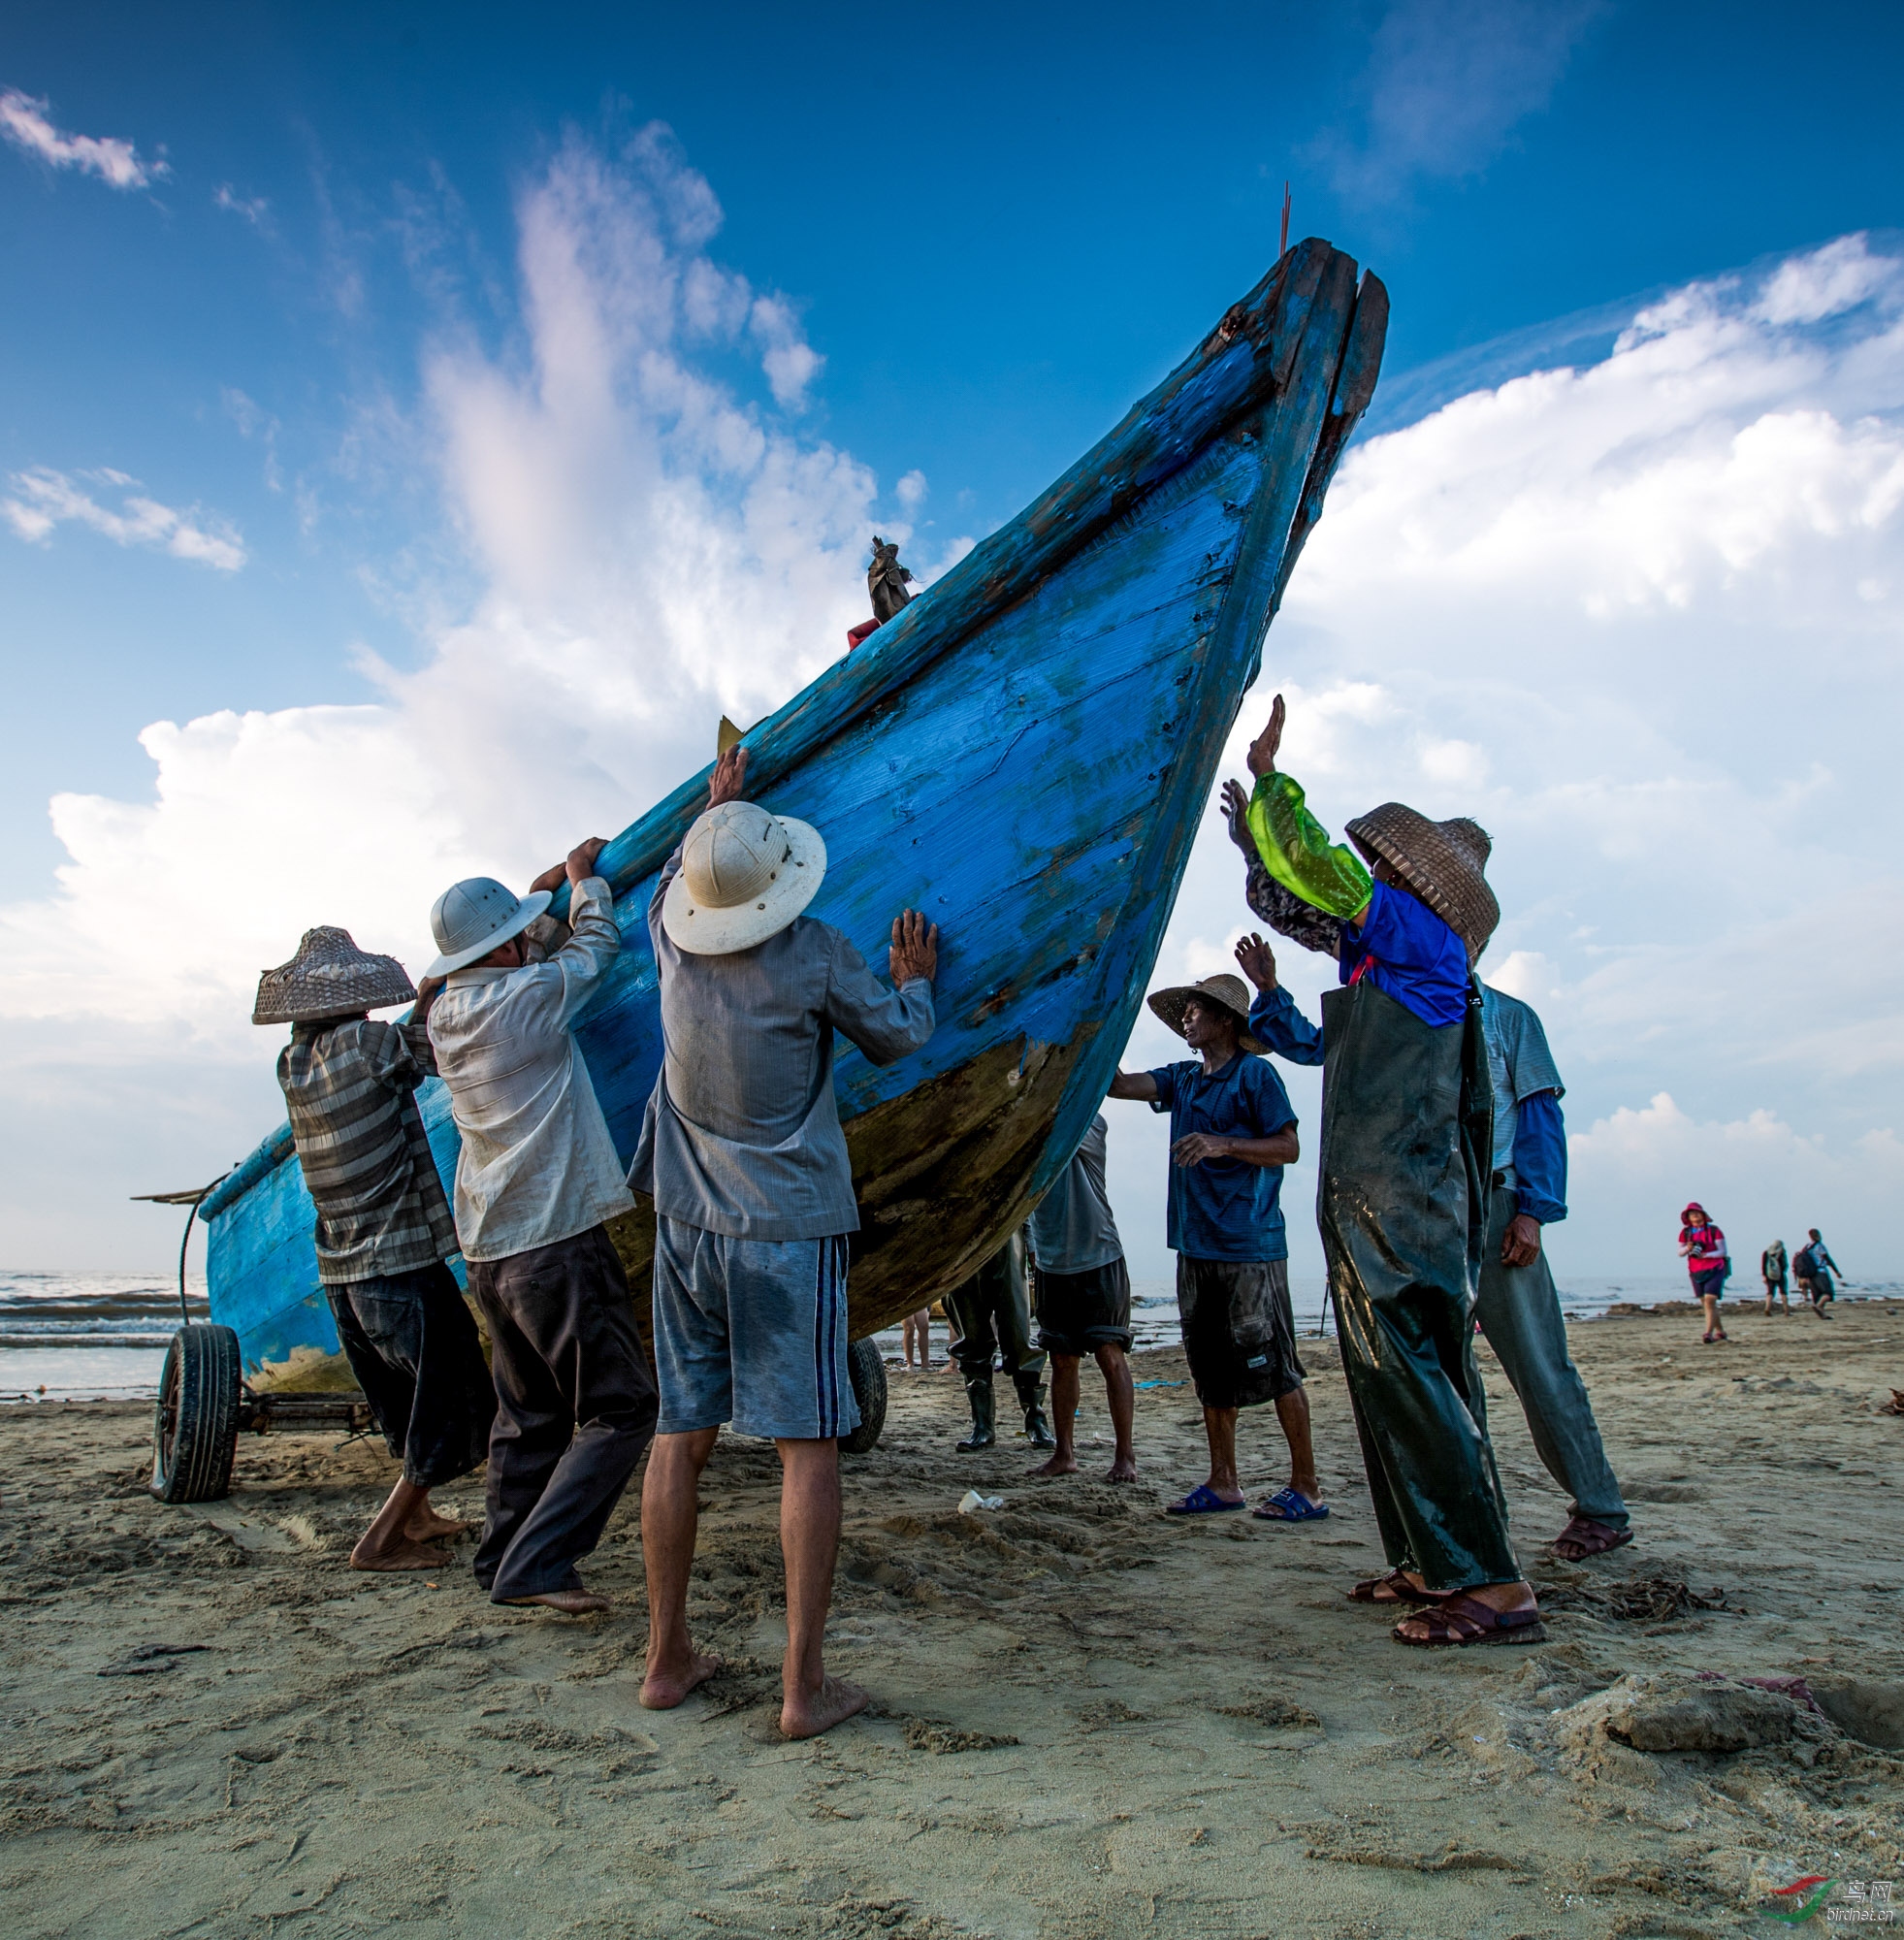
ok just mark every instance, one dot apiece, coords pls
pixel 1026 751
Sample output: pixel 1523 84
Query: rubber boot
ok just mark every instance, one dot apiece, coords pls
pixel 984 1431
pixel 1031 1398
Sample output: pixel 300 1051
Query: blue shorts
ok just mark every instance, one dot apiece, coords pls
pixel 750 1331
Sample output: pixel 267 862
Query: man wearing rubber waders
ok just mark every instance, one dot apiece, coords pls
pixel 1402 1194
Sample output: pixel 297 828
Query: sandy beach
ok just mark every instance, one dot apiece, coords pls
pixel 1088 1719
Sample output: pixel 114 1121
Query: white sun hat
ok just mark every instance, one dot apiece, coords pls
pixel 470 917
pixel 746 873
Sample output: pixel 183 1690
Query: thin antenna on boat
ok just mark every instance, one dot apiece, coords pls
pixel 190 1200
pixel 1282 247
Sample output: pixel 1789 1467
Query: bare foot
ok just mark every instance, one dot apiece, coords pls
pixel 1059 1464
pixel 812 1712
pixel 664 1690
pixel 570 1602
pixel 1122 1470
pixel 433 1527
pixel 402 1555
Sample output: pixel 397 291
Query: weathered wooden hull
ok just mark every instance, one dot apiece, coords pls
pixel 1026 752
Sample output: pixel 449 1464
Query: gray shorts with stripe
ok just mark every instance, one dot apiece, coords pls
pixel 752 1333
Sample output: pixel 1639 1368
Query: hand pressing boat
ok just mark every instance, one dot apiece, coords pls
pixel 1023 750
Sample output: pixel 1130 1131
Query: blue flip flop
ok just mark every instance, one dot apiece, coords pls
pixel 1290 1506
pixel 1202 1500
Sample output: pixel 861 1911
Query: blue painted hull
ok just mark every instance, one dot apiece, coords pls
pixel 1026 752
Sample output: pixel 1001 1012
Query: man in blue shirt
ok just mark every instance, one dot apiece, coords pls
pixel 1517 1305
pixel 1232 1133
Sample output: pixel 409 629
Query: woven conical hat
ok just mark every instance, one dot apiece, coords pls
pixel 1232 992
pixel 329 977
pixel 1445 864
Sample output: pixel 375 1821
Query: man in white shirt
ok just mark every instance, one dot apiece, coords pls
pixel 535 1181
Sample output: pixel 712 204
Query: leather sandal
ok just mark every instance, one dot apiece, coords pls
pixel 1583 1538
pixel 1399 1588
pixel 1461 1620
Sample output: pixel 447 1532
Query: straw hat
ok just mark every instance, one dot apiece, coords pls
pixel 1445 862
pixel 472 917
pixel 1232 992
pixel 746 873
pixel 329 977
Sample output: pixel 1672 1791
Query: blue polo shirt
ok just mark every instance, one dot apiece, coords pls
pixel 1224 1209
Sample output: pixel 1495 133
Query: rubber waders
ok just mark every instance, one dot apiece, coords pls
pixel 1402 1202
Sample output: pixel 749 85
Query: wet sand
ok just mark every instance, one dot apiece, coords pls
pixel 1090 1720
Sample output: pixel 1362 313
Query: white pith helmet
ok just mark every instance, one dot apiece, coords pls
pixel 746 873
pixel 470 917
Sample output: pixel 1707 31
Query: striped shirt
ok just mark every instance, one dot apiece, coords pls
pixel 351 1092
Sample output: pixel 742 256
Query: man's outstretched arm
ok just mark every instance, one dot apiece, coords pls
pixel 1138 1086
pixel 1273 1019
pixel 1295 847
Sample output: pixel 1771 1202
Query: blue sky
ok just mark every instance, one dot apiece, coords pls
pixel 280 415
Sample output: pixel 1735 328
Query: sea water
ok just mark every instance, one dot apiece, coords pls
pixel 90 1336
pixel 102 1337
pixel 1154 1305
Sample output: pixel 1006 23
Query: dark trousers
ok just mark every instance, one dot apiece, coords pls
pixel 991 1312
pixel 412 1346
pixel 575 1408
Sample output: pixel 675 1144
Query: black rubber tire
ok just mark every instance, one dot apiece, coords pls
pixel 865 1368
pixel 195 1424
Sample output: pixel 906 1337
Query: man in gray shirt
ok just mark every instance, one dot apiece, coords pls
pixel 1518 1306
pixel 743 1156
pixel 1084 1302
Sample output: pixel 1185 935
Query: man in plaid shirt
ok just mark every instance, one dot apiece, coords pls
pixel 383 1228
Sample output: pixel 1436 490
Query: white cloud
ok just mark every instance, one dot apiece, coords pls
pixel 651 551
pixel 44 498
pixel 790 362
pixel 253 209
pixel 1447 83
pixel 24 122
pixel 1758 1176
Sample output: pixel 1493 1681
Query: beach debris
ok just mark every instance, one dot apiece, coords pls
pixel 1635 1600
pixel 1278 1713
pixel 935 1735
pixel 971 1502
pixel 1787 1686
pixel 149 1658
pixel 1895 1404
pixel 1142 1386
pixel 1345 1849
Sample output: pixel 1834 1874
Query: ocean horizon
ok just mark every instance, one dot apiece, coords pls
pixel 103 1336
